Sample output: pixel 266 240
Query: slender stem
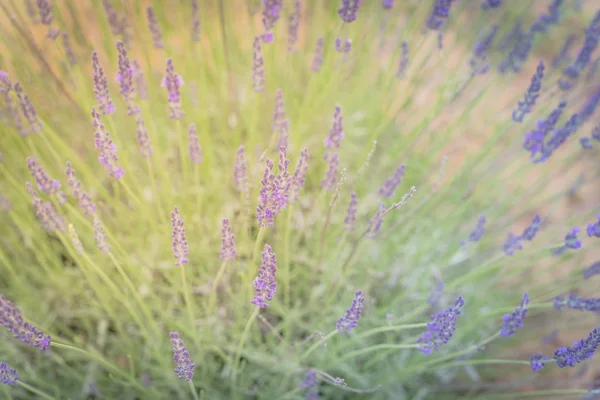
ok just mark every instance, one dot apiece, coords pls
pixel 483 362
pixel 461 352
pixel 259 239
pixel 188 302
pixel 317 344
pixel 240 346
pixel 213 292
pixel 193 389
pixel 36 391
pixel 287 272
pixel 376 347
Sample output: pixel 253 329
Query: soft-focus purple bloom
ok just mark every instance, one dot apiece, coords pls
pixel 576 303
pixel 531 95
pixel 172 82
pixel 350 220
pixel 515 319
pixel 596 133
pixel 46 17
pixel 592 36
pixel 593 392
pixel 271 11
pixel 441 328
pixel 479 63
pixel 530 231
pixel 582 350
pixel 179 243
pixel 68 49
pixel 125 76
pixel 592 270
pixel 265 284
pixel 103 99
pixel 594 229
pixel 258 70
pixel 333 166
pixel 281 124
pixel 571 242
pixel 318 56
pixel 227 242
pixel 349 321
pixel 375 223
pixel 85 200
pixel 44 182
pixel 479 230
pixel 10 108
pixel 274 193
pixel 538 361
pixel 551 337
pixel 387 4
pixel 299 176
pixel 106 148
pixel 143 138
pixel 523 43
pixel 100 237
pixel 404 58
pixel 196 21
pixel 436 293
pixel 140 83
pixel 35 126
pixel 294 23
pixel 439 14
pixel 155 31
pixel 240 174
pixel 344 47
pixel 12 319
pixel 512 244
pixel 489 4
pixel 545 20
pixel 559 136
pixel 348 10
pixel 8 375
pixel 309 381
pixel 45 212
pixel 564 51
pixel 586 143
pixel 185 366
pixel 194 145
pixel 112 16
pixel 336 133
pixel 511 36
pixel 390 185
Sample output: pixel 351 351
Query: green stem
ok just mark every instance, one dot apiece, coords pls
pixel 188 302
pixel 193 389
pixel 317 344
pixel 483 362
pixel 376 347
pixel 240 346
pixel 36 391
pixel 213 292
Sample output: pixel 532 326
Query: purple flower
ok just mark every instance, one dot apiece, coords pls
pixel 297 181
pixel 577 303
pixel 586 143
pixel 10 108
pixel 194 145
pixel 45 212
pixel 538 361
pixel 582 350
pixel 523 42
pixel 309 381
pixel 349 321
pixel 125 76
pixel 155 31
pixel 99 236
pixel 441 328
pixel 264 284
pixel 240 174
pixel 185 366
pixel 180 246
pixel 8 375
pixel 68 49
pixel 489 4
pixel 387 4
pixel 113 17
pixel 545 20
pixel 592 37
pixel 439 14
pixel 404 58
pixel 35 126
pixel 318 56
pixel 44 182
pixel 346 47
pixel 592 270
pixel 571 242
pixel 270 16
pixel 350 219
pixel 227 242
pixel 330 179
pixel 103 99
pixel 172 82
pixel 12 319
pixel 594 229
pixel 336 133
pixel 388 189
pixel 281 124
pixel 106 148
pixel 85 200
pixel 478 62
pixel 46 17
pixel 348 10
pixel 596 133
pixel 530 231
pixel 143 138
pixel 559 136
pixel 275 190
pixel 531 95
pixel 376 222
pixel 476 235
pixel 512 244
pixel 258 69
pixel 515 319
pixel 294 23
pixel 196 21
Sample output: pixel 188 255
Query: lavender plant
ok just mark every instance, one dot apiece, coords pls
pixel 291 199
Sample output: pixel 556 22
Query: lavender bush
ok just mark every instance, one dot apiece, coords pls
pixel 298 199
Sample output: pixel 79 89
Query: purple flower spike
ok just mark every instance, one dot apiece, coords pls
pixel 318 56
pixel 535 140
pixel 515 320
pixel 403 60
pixel 439 14
pixel 155 31
pixel 99 236
pixel 512 244
pixel 330 179
pixel 12 319
pixel 44 182
pixel 281 124
pixel 577 303
pixel 240 173
pixel 103 99
pixel 476 235
pixel 530 232
pixel 8 375
pixel 294 23
pixel 571 240
pixel 185 366
pixel 258 69
pixel 270 16
pixel 375 223
pixel 348 10
pixel 106 148
pixel 45 212
pixel 594 229
pixel 592 270
pixel 227 242
pixel 125 76
pixel 387 4
pixel 350 219
pixel 46 17
pixel 345 47
pixel 388 189
pixel 586 143
pixel 85 200
pixel 172 82
pixel 309 381
pixel 180 246
pixel 336 133
pixel 489 4
pixel 196 21
pixel 349 321
pixel 142 133
pixel 582 350
pixel 299 175
pixel 194 145
pixel 538 361
pixel 264 284
pixel 531 95
pixel 69 49
pixel 35 126
pixel 275 191
pixel 584 56
pixel 441 328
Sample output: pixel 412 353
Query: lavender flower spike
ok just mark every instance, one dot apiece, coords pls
pixel 441 328
pixel 240 173
pixel 265 284
pixel 318 56
pixel 404 58
pixel 258 70
pixel 227 242
pixel 594 229
pixel 575 302
pixel 45 212
pixel 388 189
pixel 336 133
pixel 350 219
pixel 106 148
pixel 530 231
pixel 349 321
pixel 592 270
pixel 582 350
pixel 185 366
pixel 376 222
pixel 538 361
pixel 155 31
pixel 571 242
pixel 531 95
pixel 196 21
pixel 103 100
pixel 439 14
pixel 143 138
pixel 270 16
pixel 99 236
pixel 44 182
pixel 348 10
pixel 172 82
pixel 478 232
pixel 512 244
pixel 8 375
pixel 125 76
pixel 180 246
pixel 333 164
pixel 194 145
pixel 28 110
pixel 515 320
pixel 12 319
pixel 299 176
pixel 275 191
